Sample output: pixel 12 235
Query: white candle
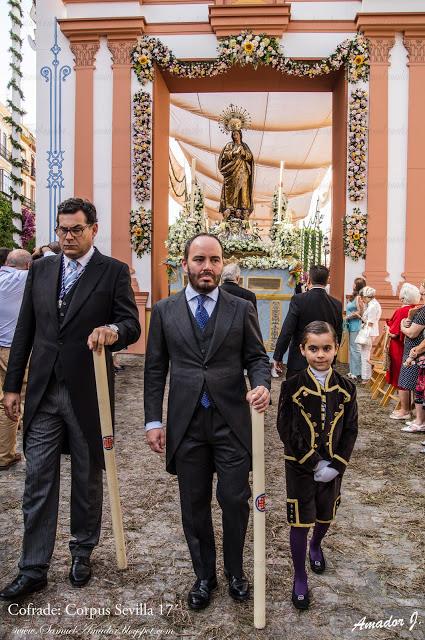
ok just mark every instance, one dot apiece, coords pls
pixel 279 199
pixel 192 192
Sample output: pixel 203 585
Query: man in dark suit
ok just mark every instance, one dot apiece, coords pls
pixel 304 308
pixel 210 337
pixel 230 282
pixel 74 303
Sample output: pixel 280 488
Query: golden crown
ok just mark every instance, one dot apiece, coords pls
pixel 234 118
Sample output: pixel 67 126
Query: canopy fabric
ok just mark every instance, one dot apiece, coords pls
pixel 178 188
pixel 293 127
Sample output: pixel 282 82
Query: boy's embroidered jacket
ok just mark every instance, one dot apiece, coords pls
pixel 316 422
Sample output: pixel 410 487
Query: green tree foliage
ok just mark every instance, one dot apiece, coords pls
pixel 7 226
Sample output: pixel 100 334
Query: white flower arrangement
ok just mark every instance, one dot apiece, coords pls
pixel 142 133
pixel 185 227
pixel 355 234
pixel 357 145
pixel 247 48
pixel 275 215
pixel 265 262
pixel 286 240
pixel 141 231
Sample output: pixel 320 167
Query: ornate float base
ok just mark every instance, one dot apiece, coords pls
pixel 273 295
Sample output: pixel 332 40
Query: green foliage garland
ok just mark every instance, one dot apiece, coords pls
pixel 15 15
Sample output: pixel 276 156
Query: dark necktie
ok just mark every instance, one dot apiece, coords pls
pixel 202 317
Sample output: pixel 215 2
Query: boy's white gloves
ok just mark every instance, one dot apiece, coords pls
pixel 322 473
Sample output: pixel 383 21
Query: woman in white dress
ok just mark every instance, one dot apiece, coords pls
pixel 370 323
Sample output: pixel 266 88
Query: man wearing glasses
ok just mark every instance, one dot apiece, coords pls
pixel 74 302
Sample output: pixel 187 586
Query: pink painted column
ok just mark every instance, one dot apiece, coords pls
pixel 339 164
pixel 376 258
pixel 415 225
pixel 121 148
pixel 85 53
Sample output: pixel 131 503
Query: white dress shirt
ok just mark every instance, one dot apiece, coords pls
pixel 12 285
pixel 209 303
pixel 81 262
pixel 192 301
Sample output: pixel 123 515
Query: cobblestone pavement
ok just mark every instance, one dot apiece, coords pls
pixel 375 550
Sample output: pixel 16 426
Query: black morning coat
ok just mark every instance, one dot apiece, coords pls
pixel 236 345
pixel 103 295
pixel 306 439
pixel 236 290
pixel 304 308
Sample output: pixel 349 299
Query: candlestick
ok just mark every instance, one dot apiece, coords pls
pixel 192 192
pixel 279 199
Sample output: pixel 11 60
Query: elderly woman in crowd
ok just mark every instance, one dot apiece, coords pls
pixel 417 356
pixel 354 312
pixel 409 297
pixel 370 329
pixel 413 327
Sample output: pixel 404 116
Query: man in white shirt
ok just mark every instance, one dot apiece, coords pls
pixel 13 276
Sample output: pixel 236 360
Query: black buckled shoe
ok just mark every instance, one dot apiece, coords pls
pixel 318 566
pixel 301 601
pixel 80 572
pixel 22 586
pixel 238 587
pixel 199 596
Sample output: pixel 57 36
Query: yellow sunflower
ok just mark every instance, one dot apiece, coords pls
pixel 138 232
pixel 358 60
pixel 356 236
pixel 143 59
pixel 248 47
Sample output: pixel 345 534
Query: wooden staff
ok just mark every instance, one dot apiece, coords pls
pixel 259 508
pixel 109 453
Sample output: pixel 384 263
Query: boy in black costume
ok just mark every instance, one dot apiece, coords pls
pixel 317 423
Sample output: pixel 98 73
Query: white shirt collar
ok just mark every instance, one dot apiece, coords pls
pixel 191 293
pixel 320 375
pixel 81 261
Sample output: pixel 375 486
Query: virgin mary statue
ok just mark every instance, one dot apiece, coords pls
pixel 236 164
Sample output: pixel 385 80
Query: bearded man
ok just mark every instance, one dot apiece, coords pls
pixel 209 337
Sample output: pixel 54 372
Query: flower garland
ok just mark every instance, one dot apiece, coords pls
pixel 247 48
pixel 355 234
pixel 142 163
pixel 357 145
pixel 15 119
pixel 141 231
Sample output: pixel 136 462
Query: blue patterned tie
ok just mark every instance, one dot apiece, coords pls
pixel 202 317
pixel 71 275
